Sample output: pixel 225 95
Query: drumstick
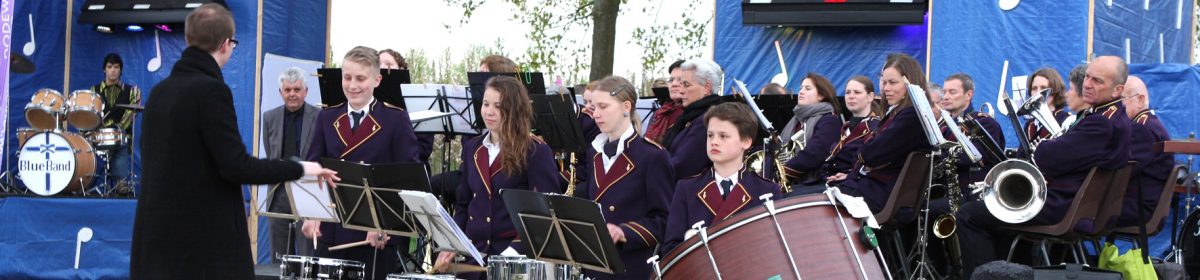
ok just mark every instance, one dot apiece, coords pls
pixel 314 242
pixel 348 245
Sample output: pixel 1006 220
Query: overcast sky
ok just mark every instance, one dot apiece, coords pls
pixel 421 24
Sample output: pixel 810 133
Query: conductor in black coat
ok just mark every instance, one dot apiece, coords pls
pixel 190 221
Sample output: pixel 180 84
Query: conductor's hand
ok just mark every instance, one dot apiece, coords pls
pixel 443 261
pixel 377 239
pixel 836 177
pixel 618 235
pixel 311 229
pixel 324 175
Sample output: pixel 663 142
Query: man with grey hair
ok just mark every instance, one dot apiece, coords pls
pixel 1155 166
pixel 686 140
pixel 287 133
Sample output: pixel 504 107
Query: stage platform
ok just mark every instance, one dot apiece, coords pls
pixel 38 237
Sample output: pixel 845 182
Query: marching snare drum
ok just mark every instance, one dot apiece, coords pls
pixel 520 267
pixel 312 268
pixel 44 111
pixel 50 162
pixel 85 109
pixel 108 138
pixel 413 276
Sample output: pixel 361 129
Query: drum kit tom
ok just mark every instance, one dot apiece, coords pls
pixel 52 159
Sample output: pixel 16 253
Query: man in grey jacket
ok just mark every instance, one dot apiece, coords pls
pixel 287 132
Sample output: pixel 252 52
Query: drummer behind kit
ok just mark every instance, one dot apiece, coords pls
pixel 52 159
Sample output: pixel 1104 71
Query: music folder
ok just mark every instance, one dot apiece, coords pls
pixel 445 233
pixel 562 229
pixel 367 198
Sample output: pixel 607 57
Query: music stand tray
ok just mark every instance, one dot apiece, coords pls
pixel 305 200
pixel 562 229
pixel 367 198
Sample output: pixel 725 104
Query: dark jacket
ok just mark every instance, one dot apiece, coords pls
pixel 191 220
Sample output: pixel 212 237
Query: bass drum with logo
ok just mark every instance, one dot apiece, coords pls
pixel 1189 242
pixel 50 162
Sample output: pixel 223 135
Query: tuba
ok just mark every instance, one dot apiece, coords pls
pixel 1014 191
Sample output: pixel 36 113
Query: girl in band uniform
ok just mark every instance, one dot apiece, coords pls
pixel 860 96
pixel 816 124
pixel 631 178
pixel 899 133
pixel 506 157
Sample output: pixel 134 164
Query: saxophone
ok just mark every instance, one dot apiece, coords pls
pixel 946 225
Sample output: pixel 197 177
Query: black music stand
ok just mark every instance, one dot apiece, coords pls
pixel 778 109
pixel 367 198
pixel 330 80
pixel 555 119
pixel 662 95
pixel 477 83
pixel 562 229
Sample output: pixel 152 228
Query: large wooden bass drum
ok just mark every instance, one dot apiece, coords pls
pixel 823 241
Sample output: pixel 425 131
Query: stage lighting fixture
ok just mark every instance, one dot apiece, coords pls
pixel 104 28
pixel 134 28
pixel 163 27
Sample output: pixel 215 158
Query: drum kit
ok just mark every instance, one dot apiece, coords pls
pixel 52 159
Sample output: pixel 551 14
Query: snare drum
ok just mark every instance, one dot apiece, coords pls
pixel 412 276
pixel 85 109
pixel 44 111
pixel 303 267
pixel 25 133
pixel 108 138
pixel 50 162
pixel 520 267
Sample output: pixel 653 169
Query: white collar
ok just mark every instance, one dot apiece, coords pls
pixel 602 138
pixel 366 109
pixel 493 149
pixel 732 178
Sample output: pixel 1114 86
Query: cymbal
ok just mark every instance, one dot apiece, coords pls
pixel 138 108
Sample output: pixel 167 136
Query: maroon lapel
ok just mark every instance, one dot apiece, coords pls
pixel 353 139
pixel 711 197
pixel 485 170
pixel 620 168
pixel 734 201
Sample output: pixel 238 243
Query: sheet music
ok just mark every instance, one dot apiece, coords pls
pixel 431 215
pixel 969 147
pixel 925 113
pixel 311 201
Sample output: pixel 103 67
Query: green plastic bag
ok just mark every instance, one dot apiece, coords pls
pixel 1130 264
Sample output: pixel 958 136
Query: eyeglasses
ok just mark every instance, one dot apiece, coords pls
pixel 233 43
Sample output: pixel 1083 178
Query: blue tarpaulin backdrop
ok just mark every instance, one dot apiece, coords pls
pixel 291 28
pixel 976 37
